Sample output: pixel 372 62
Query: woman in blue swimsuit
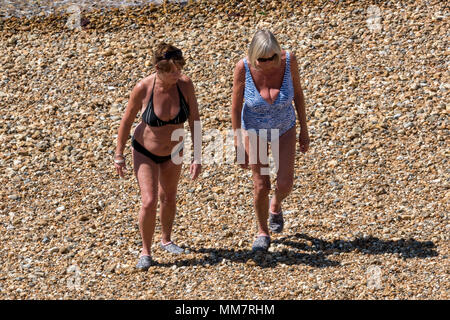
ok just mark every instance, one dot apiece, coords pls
pixel 166 100
pixel 266 83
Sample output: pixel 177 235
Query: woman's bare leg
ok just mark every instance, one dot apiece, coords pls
pixel 147 172
pixel 261 182
pixel 261 190
pixel 285 174
pixel 169 175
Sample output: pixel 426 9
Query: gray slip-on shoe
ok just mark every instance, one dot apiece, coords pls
pixel 144 263
pixel 172 248
pixel 276 222
pixel 261 243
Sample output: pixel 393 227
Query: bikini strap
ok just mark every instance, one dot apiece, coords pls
pixel 178 88
pixel 153 89
pixel 183 101
pixel 150 101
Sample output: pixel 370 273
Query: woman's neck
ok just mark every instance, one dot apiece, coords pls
pixel 164 85
pixel 269 71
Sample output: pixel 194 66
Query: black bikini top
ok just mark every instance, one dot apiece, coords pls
pixel 150 118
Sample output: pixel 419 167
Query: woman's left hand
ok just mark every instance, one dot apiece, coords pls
pixel 303 138
pixel 195 170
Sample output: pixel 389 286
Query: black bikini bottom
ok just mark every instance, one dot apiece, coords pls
pixel 157 159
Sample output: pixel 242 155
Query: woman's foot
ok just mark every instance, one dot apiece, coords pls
pixel 261 243
pixel 144 263
pixel 172 247
pixel 276 221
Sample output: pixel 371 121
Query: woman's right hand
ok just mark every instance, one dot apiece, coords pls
pixel 195 170
pixel 120 164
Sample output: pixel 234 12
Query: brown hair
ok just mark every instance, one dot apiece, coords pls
pixel 166 56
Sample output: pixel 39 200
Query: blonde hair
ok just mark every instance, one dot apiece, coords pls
pixel 263 43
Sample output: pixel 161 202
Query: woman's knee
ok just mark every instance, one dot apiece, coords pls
pixel 168 199
pixel 285 185
pixel 149 203
pixel 261 188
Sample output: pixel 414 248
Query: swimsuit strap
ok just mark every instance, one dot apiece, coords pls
pixel 250 90
pixel 153 89
pixel 288 64
pixel 179 92
pixel 246 65
pixel 184 106
pixel 150 102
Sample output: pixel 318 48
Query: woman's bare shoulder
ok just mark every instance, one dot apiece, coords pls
pixel 144 83
pixel 240 68
pixel 240 64
pixel 184 79
pixel 141 88
pixel 186 85
pixel 185 82
pixel 283 55
pixel 148 80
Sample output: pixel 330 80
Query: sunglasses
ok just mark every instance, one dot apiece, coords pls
pixel 267 59
pixel 173 54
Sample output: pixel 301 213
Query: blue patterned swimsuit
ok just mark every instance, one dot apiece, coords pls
pixel 258 114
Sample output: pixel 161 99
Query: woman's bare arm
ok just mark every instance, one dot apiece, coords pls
pixel 134 105
pixel 195 128
pixel 299 101
pixel 194 116
pixel 238 98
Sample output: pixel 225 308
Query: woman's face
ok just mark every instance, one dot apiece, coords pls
pixel 266 62
pixel 171 76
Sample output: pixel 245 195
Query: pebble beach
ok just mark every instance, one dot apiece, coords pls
pixel 368 216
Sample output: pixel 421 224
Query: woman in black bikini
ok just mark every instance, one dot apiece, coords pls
pixel 166 99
